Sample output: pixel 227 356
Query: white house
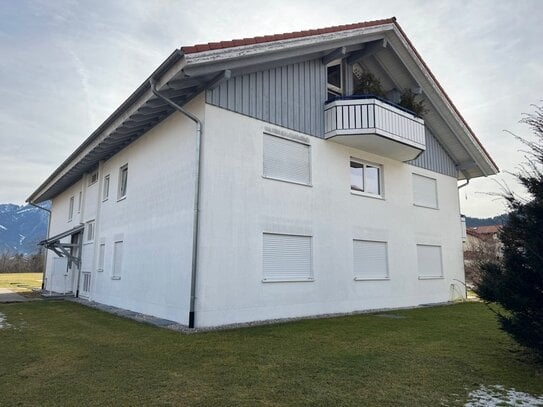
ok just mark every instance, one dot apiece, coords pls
pixel 249 180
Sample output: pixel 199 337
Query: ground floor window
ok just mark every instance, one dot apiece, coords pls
pixel 370 260
pixel 287 257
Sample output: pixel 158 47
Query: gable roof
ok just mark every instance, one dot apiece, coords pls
pixel 285 36
pixel 190 70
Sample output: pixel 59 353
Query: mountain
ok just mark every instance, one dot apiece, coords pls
pixel 22 227
pixel 496 220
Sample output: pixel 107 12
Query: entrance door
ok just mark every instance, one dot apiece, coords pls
pixel 60 280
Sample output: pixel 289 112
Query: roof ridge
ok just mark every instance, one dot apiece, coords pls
pixel 284 36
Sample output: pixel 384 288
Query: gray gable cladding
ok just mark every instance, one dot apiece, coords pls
pixel 434 158
pixel 290 96
pixel 293 96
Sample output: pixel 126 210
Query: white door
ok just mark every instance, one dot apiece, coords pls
pixel 60 278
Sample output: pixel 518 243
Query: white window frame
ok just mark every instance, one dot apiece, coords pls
pixel 387 275
pixel 413 175
pixel 116 274
pixel 93 178
pixel 381 194
pixel 71 208
pixel 101 256
pixel 332 88
pixel 105 189
pixel 80 202
pixel 310 164
pixel 90 231
pixel 311 276
pixel 120 193
pixel 430 277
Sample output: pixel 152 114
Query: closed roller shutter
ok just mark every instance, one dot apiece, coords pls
pixel 370 259
pixel 287 257
pixel 429 261
pixel 286 160
pixel 424 191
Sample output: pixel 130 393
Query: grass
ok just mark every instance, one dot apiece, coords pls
pixel 22 283
pixel 64 353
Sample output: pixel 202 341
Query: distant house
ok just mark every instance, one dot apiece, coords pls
pixel 482 235
pixel 256 179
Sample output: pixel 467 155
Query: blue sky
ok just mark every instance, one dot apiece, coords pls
pixel 66 65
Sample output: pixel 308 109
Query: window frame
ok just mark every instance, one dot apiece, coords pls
pixel 120 195
pixel 90 226
pixel 337 91
pixel 71 208
pixel 431 277
pixel 387 263
pixel 101 256
pixel 309 163
pixel 93 178
pixel 105 189
pixel 380 178
pixel 413 175
pixel 116 274
pixel 310 278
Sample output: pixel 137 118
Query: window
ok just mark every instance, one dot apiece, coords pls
pixel 286 160
pixel 424 191
pixel 429 261
pixel 123 181
pixel 89 233
pixel 366 178
pixel 101 256
pixel 105 192
pixel 334 83
pixel 370 260
pixel 287 258
pixel 93 178
pixel 71 209
pixel 117 260
pixel 80 202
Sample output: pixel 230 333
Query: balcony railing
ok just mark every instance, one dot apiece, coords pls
pixel 374 125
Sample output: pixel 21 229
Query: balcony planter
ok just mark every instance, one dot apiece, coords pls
pixel 372 124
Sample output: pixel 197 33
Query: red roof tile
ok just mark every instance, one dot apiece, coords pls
pixel 285 36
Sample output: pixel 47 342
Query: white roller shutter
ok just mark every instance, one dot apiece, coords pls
pixel 287 257
pixel 286 160
pixel 429 260
pixel 370 260
pixel 117 259
pixel 424 191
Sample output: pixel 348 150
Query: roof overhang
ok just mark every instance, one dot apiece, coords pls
pixel 182 76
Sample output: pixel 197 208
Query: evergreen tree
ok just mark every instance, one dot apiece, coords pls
pixel 516 283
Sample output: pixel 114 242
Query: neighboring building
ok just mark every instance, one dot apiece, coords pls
pixel 487 236
pixel 310 199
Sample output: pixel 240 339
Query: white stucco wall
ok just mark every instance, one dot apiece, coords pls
pixel 238 205
pixel 154 222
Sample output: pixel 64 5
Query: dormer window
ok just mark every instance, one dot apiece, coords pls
pixel 334 84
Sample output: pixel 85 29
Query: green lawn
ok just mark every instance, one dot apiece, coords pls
pixel 21 282
pixel 64 353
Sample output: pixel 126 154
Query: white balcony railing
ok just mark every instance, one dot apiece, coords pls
pixel 376 126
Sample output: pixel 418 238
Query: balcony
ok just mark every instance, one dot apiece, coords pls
pixel 371 124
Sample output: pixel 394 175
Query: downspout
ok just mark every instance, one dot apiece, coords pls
pixel 198 122
pixel 48 228
pixel 464 185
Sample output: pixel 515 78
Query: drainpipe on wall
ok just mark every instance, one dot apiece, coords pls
pixel 48 227
pixel 464 185
pixel 198 122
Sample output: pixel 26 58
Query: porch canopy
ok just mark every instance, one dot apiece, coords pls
pixel 65 249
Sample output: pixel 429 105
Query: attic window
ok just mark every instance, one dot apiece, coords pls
pixel 93 178
pixel 334 83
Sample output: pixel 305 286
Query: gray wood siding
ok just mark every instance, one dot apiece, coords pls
pixel 290 96
pixel 435 158
pixel 293 96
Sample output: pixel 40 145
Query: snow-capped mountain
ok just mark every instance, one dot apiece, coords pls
pixel 22 227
